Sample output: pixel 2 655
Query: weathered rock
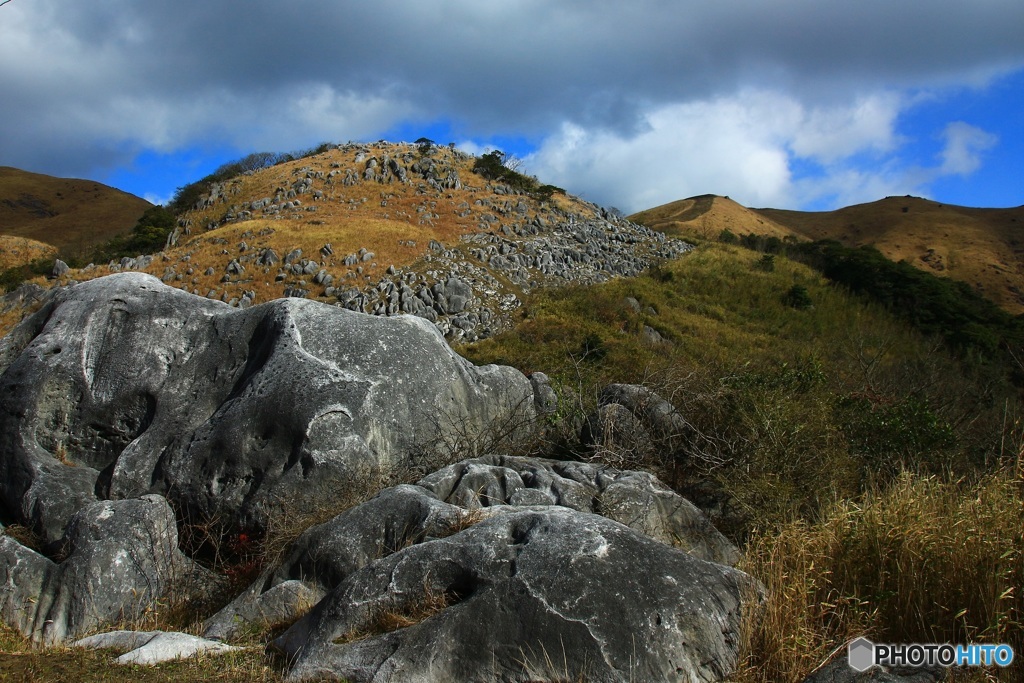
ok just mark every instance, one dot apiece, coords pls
pixel 545 398
pixel 658 417
pixel 616 434
pixel 451 499
pixel 528 594
pixel 153 647
pixel 121 557
pixel 636 499
pixel 60 269
pixel 122 386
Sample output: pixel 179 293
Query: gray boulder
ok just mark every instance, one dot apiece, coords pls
pixel 637 499
pixel 121 557
pixel 455 497
pixel 123 386
pixel 530 594
pixel 60 269
pixel 632 422
pixel 153 647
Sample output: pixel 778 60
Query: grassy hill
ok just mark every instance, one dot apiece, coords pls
pixel 706 216
pixel 66 214
pixel 982 247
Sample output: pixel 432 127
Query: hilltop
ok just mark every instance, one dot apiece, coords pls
pixel 982 247
pixel 387 228
pixel 61 213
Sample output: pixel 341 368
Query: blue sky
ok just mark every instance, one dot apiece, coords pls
pixel 791 104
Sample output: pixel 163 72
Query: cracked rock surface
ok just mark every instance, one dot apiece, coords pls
pixel 532 593
pixel 123 386
pixel 495 568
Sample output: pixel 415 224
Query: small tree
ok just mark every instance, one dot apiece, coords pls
pixel 798 298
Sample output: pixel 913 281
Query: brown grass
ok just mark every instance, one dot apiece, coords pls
pixel 706 216
pixel 924 561
pixel 982 247
pixel 16 251
pixel 18 662
pixel 71 215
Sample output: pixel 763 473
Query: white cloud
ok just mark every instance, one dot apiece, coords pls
pixel 828 134
pixel 762 148
pixel 88 85
pixel 743 146
pixel 964 145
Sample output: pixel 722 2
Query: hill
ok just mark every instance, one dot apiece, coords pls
pixel 844 449
pixel 67 214
pixel 706 216
pixel 387 228
pixel 982 247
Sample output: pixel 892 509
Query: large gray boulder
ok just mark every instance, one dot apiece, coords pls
pixel 531 594
pixel 637 499
pixel 514 542
pixel 123 386
pixel 120 558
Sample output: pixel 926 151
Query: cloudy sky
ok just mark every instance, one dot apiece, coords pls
pixel 802 104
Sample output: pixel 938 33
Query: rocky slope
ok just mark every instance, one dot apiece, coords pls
pixel 389 228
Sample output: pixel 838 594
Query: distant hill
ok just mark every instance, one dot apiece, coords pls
pixel 706 216
pixel 982 247
pixel 67 214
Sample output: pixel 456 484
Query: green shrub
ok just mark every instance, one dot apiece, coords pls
pixel 798 298
pixel 766 263
pixel 727 236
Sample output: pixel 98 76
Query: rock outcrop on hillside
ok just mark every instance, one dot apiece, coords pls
pixel 123 386
pixel 501 568
pixel 498 242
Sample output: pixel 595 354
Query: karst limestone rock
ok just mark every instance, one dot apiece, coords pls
pixel 123 386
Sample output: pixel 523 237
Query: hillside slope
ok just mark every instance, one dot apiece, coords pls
pixel 386 228
pixel 706 216
pixel 67 214
pixel 982 247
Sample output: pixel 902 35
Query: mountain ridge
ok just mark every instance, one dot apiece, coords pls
pixel 982 247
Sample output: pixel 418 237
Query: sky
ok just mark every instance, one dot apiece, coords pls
pixel 796 104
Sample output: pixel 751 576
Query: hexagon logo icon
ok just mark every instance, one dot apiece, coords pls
pixel 861 654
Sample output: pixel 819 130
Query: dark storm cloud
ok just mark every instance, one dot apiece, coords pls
pixel 91 83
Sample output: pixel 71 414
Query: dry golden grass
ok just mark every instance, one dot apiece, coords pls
pixel 706 216
pixel 923 561
pixel 72 215
pixel 19 662
pixel 982 247
pixel 16 251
